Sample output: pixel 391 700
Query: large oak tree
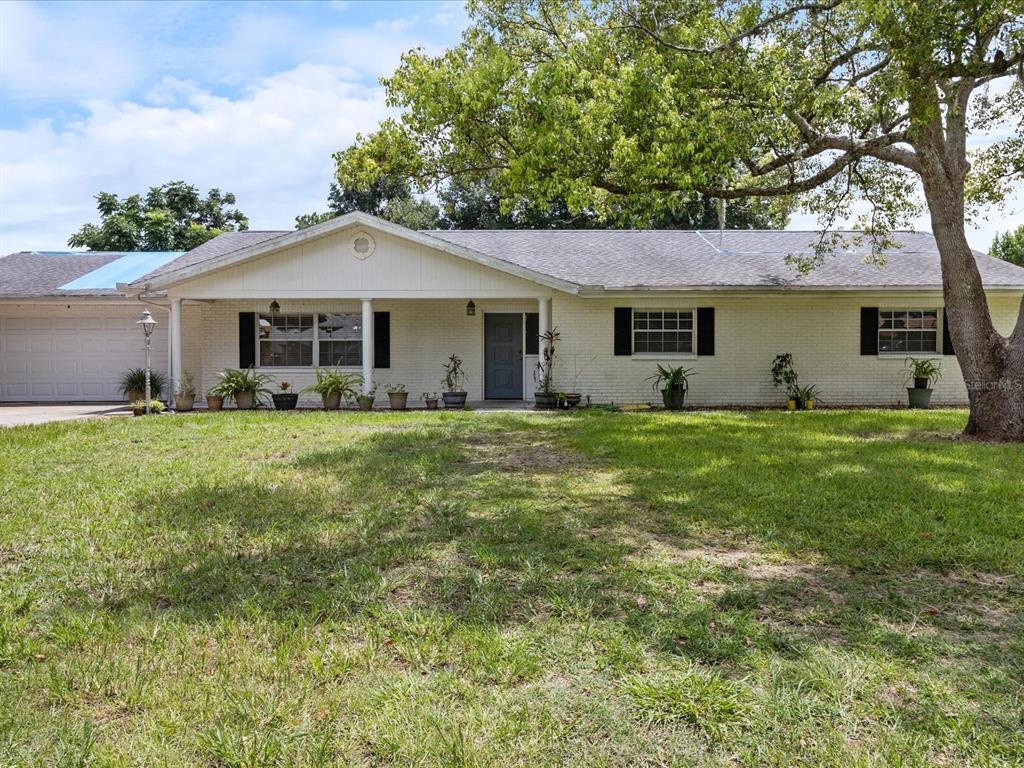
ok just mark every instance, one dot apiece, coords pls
pixel 633 103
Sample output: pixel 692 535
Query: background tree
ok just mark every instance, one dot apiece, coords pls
pixel 1009 247
pixel 387 196
pixel 171 217
pixel 628 104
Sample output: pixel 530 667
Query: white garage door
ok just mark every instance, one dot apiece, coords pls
pixel 57 352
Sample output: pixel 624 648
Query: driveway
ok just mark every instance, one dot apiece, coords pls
pixel 40 413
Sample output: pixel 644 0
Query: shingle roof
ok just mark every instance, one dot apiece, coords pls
pixel 613 259
pixel 664 259
pixel 30 274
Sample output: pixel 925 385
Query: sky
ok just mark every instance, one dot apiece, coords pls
pixel 249 97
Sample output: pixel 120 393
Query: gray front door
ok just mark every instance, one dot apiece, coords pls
pixel 503 356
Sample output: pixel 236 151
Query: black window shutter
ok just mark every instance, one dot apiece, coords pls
pixel 947 340
pixel 381 339
pixel 623 331
pixel 532 333
pixel 246 340
pixel 706 331
pixel 869 330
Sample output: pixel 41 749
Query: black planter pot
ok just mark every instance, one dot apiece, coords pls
pixel 285 401
pixel 545 400
pixel 454 399
pixel 921 383
pixel 673 398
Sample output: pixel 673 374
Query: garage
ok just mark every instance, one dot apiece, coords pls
pixel 72 352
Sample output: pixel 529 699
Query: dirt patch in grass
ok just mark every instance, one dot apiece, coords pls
pixel 502 453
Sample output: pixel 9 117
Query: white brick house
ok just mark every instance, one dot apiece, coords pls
pixel 393 304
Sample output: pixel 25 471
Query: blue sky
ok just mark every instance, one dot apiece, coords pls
pixel 249 97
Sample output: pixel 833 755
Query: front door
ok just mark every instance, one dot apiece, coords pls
pixel 503 356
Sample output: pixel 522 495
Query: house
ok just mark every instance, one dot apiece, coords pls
pixel 393 304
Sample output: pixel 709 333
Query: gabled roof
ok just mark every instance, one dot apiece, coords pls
pixel 237 250
pixel 31 274
pixel 585 261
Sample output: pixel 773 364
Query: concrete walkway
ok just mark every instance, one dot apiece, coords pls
pixel 13 414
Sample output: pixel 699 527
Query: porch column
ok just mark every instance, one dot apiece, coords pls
pixel 367 345
pixel 175 343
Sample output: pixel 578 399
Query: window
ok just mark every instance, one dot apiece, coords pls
pixel 662 331
pixel 902 331
pixel 341 339
pixel 286 340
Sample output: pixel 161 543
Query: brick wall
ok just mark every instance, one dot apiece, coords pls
pixel 821 331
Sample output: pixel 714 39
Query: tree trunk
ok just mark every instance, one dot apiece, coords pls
pixel 992 365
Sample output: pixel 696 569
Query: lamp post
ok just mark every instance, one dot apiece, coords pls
pixel 148 325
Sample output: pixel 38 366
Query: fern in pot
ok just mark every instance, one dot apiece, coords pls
pixel 922 373
pixel 673 381
pixel 247 388
pixel 333 384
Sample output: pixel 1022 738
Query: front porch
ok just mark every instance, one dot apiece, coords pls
pixel 387 341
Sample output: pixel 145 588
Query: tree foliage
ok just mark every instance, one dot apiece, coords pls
pixel 387 196
pixel 1009 246
pixel 171 217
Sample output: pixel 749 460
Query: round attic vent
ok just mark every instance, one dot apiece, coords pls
pixel 362 245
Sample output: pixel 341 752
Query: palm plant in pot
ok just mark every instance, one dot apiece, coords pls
pixel 452 391
pixel 185 397
pixel 922 373
pixel 398 397
pixel 133 384
pixel 333 384
pixel 545 397
pixel 285 400
pixel 673 381
pixel 246 387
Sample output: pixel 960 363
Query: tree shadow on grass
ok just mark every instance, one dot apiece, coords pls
pixel 504 527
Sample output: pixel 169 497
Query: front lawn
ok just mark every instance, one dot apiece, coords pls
pixel 460 589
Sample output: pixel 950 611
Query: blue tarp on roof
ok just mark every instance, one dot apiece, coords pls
pixel 129 267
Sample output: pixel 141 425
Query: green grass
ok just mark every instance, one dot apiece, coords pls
pixel 459 589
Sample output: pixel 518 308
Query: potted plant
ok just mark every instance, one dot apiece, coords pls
pixel 366 399
pixel 574 397
pixel 139 407
pixel 398 397
pixel 285 400
pixel 333 384
pixel 783 375
pixel 185 397
pixel 453 394
pixel 545 397
pixel 673 381
pixel 430 398
pixel 922 373
pixel 133 384
pixel 214 399
pixel 805 397
pixel 247 388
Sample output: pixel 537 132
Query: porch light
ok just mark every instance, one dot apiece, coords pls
pixel 274 307
pixel 470 308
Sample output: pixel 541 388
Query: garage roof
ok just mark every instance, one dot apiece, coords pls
pixel 31 274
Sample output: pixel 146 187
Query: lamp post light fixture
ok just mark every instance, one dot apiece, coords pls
pixel 148 326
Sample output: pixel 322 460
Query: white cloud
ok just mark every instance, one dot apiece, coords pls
pixel 271 147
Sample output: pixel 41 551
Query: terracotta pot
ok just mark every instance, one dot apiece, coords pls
pixel 431 405
pixel 245 401
pixel 138 411
pixel 214 402
pixel 332 401
pixel 398 400
pixel 183 402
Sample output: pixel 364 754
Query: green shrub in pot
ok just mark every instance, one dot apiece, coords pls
pixel 334 385
pixel 922 373
pixel 673 381
pixel 246 387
